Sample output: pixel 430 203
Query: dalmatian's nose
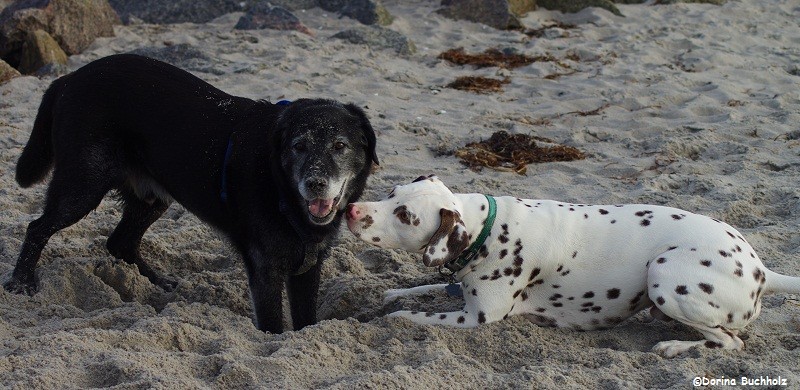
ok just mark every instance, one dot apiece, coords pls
pixel 353 213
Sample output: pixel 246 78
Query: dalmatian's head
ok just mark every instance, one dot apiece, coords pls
pixel 421 217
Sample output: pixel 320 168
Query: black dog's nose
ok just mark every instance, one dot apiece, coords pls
pixel 316 184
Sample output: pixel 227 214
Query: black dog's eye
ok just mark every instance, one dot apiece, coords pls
pixel 299 146
pixel 339 145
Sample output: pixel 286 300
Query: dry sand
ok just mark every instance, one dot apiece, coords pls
pixel 702 112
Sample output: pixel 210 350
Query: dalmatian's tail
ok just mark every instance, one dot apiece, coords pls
pixel 781 283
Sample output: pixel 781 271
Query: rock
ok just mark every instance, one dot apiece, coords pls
pixel 74 24
pixel 377 37
pixel 175 11
pixel 500 14
pixel 264 16
pixel 40 49
pixel 572 6
pixel 7 72
pixel 369 12
pixel 715 2
pixel 294 5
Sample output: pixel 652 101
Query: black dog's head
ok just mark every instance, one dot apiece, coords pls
pixel 325 153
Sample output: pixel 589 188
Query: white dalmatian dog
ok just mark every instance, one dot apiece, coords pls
pixel 574 265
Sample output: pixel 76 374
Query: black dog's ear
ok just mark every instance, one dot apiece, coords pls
pixel 366 127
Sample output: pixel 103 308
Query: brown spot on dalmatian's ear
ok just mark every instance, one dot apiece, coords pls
pixel 449 240
pixel 421 178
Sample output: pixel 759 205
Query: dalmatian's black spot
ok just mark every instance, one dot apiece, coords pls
pixel 508 271
pixel 597 309
pixel 712 304
pixel 484 251
pixel 414 312
pixel 681 290
pixel 753 255
pixel 540 310
pixel 738 272
pixel 730 234
pixel 483 207
pixel 661 260
pixel 655 285
pixel 706 263
pixel 481 317
pixel 613 221
pixel 588 304
pixel 518 261
pixel 484 277
pixel 693 249
pixel 613 293
pixel 676 217
pixel 737 249
pixel 536 282
pixel 429 314
pixel 503 253
pixel 753 294
pixel 524 296
pixel 555 297
pixel 660 300
pixel 574 254
pixel 712 344
pixel 474 292
pixel 635 300
pixel 730 317
pixel 556 286
pixel 460 319
pixel 560 267
pixel 589 294
pixel 747 315
pixel 557 304
pixel 585 216
pixel 603 212
pixel 707 288
pixel 595 321
pixel 517 272
pixel 645 222
pixel 442 316
pixel 758 275
pixel 571 298
pixel 724 253
pixel 585 310
pixel 643 213
pixel 571 209
pixel 376 239
pixel 565 273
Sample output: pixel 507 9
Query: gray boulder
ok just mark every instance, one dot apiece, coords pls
pixel 263 16
pixel 175 11
pixel 500 14
pixel 369 12
pixel 377 37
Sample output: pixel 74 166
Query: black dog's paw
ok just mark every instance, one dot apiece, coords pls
pixel 16 286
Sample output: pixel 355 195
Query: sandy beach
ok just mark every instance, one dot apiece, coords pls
pixel 694 106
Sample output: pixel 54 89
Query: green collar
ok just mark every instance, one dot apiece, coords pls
pixel 473 250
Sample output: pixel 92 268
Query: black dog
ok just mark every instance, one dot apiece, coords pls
pixel 274 178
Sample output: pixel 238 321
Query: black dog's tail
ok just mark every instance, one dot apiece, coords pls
pixel 37 157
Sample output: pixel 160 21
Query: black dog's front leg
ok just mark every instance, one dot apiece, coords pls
pixel 266 283
pixel 303 290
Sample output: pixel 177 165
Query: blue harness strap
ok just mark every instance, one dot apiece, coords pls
pixel 223 192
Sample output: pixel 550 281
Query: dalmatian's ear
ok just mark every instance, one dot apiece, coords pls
pixel 449 240
pixel 421 178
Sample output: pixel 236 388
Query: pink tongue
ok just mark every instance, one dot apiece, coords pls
pixel 320 207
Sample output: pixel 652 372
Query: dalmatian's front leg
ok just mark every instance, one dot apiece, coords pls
pixel 395 293
pixel 476 311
